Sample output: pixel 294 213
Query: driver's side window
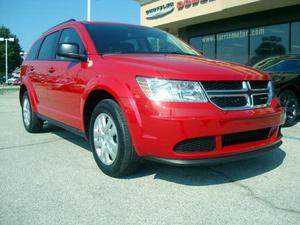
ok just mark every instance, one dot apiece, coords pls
pixel 69 35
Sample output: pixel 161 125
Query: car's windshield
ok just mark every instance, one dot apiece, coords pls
pixel 127 39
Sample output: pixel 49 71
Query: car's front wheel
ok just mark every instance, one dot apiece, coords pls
pixel 30 120
pixel 289 101
pixel 110 140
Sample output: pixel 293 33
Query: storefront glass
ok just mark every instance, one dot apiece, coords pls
pixel 268 41
pixel 295 38
pixel 250 46
pixel 233 46
pixel 205 44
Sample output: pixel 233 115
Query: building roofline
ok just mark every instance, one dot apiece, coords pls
pixel 145 2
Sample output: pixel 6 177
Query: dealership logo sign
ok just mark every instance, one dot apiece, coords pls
pixel 187 3
pixel 160 11
pixel 191 3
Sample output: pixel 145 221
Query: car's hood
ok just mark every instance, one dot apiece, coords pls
pixel 187 67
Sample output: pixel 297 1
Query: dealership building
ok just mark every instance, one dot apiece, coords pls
pixel 243 31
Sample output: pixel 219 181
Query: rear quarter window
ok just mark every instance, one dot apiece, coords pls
pixel 48 47
pixel 32 54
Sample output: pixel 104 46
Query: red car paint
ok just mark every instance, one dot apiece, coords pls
pixel 60 91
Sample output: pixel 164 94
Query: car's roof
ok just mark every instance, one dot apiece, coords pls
pixel 70 22
pixel 74 22
pixel 106 22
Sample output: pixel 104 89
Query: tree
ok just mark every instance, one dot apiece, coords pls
pixel 14 49
pixel 270 46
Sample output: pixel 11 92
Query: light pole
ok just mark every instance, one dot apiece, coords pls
pixel 88 10
pixel 6 58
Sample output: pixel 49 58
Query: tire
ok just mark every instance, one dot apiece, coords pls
pixel 289 101
pixel 30 120
pixel 111 141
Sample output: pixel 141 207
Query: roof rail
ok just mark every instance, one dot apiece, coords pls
pixel 67 21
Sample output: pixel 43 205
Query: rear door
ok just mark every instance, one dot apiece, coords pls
pixel 64 90
pixel 45 66
pixel 30 66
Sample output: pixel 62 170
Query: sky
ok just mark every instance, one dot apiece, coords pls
pixel 28 19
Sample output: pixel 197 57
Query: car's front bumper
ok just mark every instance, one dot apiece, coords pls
pixel 216 160
pixel 157 128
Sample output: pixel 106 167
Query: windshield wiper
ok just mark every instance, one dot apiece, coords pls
pixel 179 53
pixel 128 52
pixel 164 53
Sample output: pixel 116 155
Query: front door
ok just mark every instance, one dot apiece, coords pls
pixel 64 90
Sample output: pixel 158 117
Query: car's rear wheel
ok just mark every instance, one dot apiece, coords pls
pixel 110 140
pixel 30 120
pixel 289 101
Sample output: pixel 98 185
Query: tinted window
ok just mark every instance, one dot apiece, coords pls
pixel 196 42
pixel 205 44
pixel 156 44
pixel 132 44
pixel 34 50
pixel 268 41
pixel 48 47
pixel 295 39
pixel 233 46
pixel 69 35
pixel 289 65
pixel 118 39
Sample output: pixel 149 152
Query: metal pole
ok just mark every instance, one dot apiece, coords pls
pixel 88 10
pixel 6 62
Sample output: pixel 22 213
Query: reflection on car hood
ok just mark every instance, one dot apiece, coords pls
pixel 188 67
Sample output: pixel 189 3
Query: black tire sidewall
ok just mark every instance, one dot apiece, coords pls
pixel 110 108
pixel 35 124
pixel 292 95
pixel 29 127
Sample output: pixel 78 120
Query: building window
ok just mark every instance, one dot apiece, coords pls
pixel 205 44
pixel 233 46
pixel 268 41
pixel 295 40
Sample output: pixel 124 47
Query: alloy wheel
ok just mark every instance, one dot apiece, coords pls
pixel 105 138
pixel 26 112
pixel 288 101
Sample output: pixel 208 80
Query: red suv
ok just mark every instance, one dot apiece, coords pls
pixel 137 92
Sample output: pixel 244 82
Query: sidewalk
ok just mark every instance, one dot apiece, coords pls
pixel 9 87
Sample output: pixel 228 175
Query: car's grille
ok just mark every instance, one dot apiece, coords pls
pixel 260 99
pixel 234 101
pixel 259 84
pixel 204 144
pixel 233 85
pixel 239 95
pixel 244 137
pixel 207 144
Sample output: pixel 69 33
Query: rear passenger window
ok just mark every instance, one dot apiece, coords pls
pixel 48 47
pixel 32 54
pixel 69 35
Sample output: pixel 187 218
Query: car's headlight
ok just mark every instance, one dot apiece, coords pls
pixel 171 90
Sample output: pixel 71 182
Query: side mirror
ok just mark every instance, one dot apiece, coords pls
pixel 70 50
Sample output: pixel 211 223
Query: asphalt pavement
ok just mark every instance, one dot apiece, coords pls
pixel 51 178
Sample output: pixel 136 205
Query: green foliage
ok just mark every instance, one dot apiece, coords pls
pixel 14 49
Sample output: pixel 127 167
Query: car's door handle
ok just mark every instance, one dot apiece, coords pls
pixel 51 70
pixel 31 68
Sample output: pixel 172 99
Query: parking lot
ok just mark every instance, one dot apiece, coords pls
pixel 51 178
